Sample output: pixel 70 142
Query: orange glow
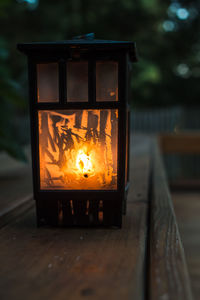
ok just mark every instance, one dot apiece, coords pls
pixel 78 149
pixel 84 163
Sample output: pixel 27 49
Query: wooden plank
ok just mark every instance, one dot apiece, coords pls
pixel 15 209
pixel 168 271
pixel 185 185
pixel 182 143
pixel 15 181
pixel 54 263
pixel 187 209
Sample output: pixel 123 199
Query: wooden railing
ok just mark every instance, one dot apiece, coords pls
pixel 180 143
pixel 143 260
pixel 184 145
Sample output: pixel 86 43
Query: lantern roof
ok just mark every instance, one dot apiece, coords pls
pixel 80 42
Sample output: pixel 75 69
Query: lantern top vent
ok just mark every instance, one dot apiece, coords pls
pixel 86 42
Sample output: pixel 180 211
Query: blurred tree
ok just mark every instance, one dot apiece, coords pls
pixel 166 33
pixel 10 96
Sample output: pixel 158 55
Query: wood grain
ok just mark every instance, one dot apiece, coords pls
pixel 168 277
pixel 15 181
pixel 187 209
pixel 49 263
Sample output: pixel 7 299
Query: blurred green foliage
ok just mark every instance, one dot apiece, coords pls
pixel 166 33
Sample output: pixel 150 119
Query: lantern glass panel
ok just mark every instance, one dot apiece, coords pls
pixel 78 149
pixel 77 81
pixel 47 82
pixel 107 81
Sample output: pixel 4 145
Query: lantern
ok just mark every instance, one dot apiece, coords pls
pixel 79 130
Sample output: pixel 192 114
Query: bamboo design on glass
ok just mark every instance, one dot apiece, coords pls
pixel 78 149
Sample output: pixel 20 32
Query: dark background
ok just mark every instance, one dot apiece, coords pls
pixel 166 34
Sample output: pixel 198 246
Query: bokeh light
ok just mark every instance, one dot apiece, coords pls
pixel 182 13
pixel 183 70
pixel 168 25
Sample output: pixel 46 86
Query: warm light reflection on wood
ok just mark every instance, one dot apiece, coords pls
pixel 78 149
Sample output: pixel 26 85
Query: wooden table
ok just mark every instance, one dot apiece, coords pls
pixel 143 260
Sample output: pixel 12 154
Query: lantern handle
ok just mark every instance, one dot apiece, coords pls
pixel 87 36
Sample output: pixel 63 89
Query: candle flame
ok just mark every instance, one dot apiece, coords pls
pixel 84 163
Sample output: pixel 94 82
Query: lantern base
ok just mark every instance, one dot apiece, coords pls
pixel 70 213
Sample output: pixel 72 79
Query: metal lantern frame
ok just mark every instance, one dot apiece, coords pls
pixel 110 203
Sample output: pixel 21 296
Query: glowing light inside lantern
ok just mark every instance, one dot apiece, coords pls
pixel 83 163
pixel 86 167
pixel 78 149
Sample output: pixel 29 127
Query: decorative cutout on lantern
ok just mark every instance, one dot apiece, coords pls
pixel 47 81
pixel 78 149
pixel 77 81
pixel 106 81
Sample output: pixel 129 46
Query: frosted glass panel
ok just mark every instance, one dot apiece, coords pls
pixel 78 149
pixel 106 81
pixel 47 82
pixel 77 81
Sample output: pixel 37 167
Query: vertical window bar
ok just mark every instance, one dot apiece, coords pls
pixel 62 81
pixel 122 120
